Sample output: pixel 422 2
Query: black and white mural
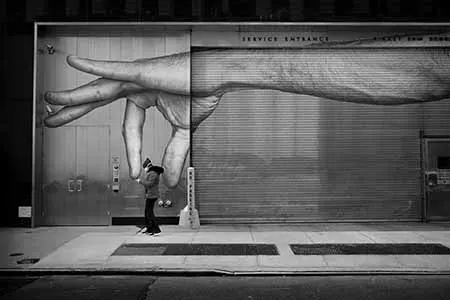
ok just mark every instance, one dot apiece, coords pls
pixel 292 114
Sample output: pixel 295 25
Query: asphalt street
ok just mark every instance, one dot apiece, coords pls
pixel 409 287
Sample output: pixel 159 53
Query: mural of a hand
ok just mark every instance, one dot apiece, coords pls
pixel 174 107
pixel 369 76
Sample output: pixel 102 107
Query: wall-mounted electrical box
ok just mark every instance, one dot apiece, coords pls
pixel 116 174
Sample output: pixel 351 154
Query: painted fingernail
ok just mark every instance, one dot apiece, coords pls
pixel 49 109
pixel 48 95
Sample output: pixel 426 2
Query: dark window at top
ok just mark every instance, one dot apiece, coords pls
pixel 409 8
pixel 243 8
pixel 57 8
pixel 98 7
pixel 378 8
pixel 116 7
pixel 84 8
pixel 441 8
pixel 108 10
pixel 149 8
pixel 280 9
pixel 182 8
pixel 311 8
pixel 16 9
pixel 212 8
pixel 343 7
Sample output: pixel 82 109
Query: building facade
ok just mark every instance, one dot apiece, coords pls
pixel 262 154
pixel 17 19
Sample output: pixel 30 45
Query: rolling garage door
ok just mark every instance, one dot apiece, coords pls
pixel 268 156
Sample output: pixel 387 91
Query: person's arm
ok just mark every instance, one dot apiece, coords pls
pixel 148 179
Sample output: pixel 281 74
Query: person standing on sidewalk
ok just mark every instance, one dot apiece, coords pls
pixel 150 180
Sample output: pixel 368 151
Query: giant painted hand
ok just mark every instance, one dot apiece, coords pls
pixel 382 76
pixel 174 107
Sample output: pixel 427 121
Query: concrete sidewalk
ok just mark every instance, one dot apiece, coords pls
pixel 89 249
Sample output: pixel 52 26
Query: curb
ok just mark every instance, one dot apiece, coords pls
pixel 210 272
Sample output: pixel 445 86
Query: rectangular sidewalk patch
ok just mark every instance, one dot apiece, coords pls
pixel 369 249
pixel 196 249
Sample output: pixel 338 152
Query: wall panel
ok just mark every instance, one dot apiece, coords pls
pixel 112 44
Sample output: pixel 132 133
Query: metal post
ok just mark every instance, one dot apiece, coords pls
pixel 189 217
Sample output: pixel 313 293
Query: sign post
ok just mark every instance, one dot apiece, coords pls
pixel 189 217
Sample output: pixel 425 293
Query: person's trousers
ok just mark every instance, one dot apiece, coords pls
pixel 150 219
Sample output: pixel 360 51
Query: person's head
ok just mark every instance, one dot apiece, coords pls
pixel 147 168
pixel 147 164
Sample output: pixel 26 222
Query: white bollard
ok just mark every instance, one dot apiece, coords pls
pixel 189 217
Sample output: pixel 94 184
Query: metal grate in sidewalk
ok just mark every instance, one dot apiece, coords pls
pixel 196 249
pixel 370 249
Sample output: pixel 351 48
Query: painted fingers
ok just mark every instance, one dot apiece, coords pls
pixel 118 70
pixel 178 146
pixel 71 113
pixel 98 90
pixel 132 130
pixel 82 100
pixel 175 156
pixel 166 73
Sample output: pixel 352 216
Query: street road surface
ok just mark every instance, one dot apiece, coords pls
pixel 428 287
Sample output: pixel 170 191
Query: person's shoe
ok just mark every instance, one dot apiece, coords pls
pixel 143 230
pixel 156 231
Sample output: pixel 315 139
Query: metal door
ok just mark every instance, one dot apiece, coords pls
pixel 59 167
pixel 75 176
pixel 437 179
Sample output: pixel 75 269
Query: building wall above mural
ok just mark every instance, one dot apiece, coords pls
pixel 224 10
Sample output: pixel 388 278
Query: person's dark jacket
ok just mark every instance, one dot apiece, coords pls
pixel 150 180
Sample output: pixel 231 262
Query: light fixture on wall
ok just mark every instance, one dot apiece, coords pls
pixel 50 49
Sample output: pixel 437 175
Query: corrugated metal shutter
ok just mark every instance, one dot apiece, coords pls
pixel 436 118
pixel 267 156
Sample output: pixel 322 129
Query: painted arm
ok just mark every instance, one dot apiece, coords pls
pixel 383 76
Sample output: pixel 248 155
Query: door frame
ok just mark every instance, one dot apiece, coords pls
pixel 425 142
